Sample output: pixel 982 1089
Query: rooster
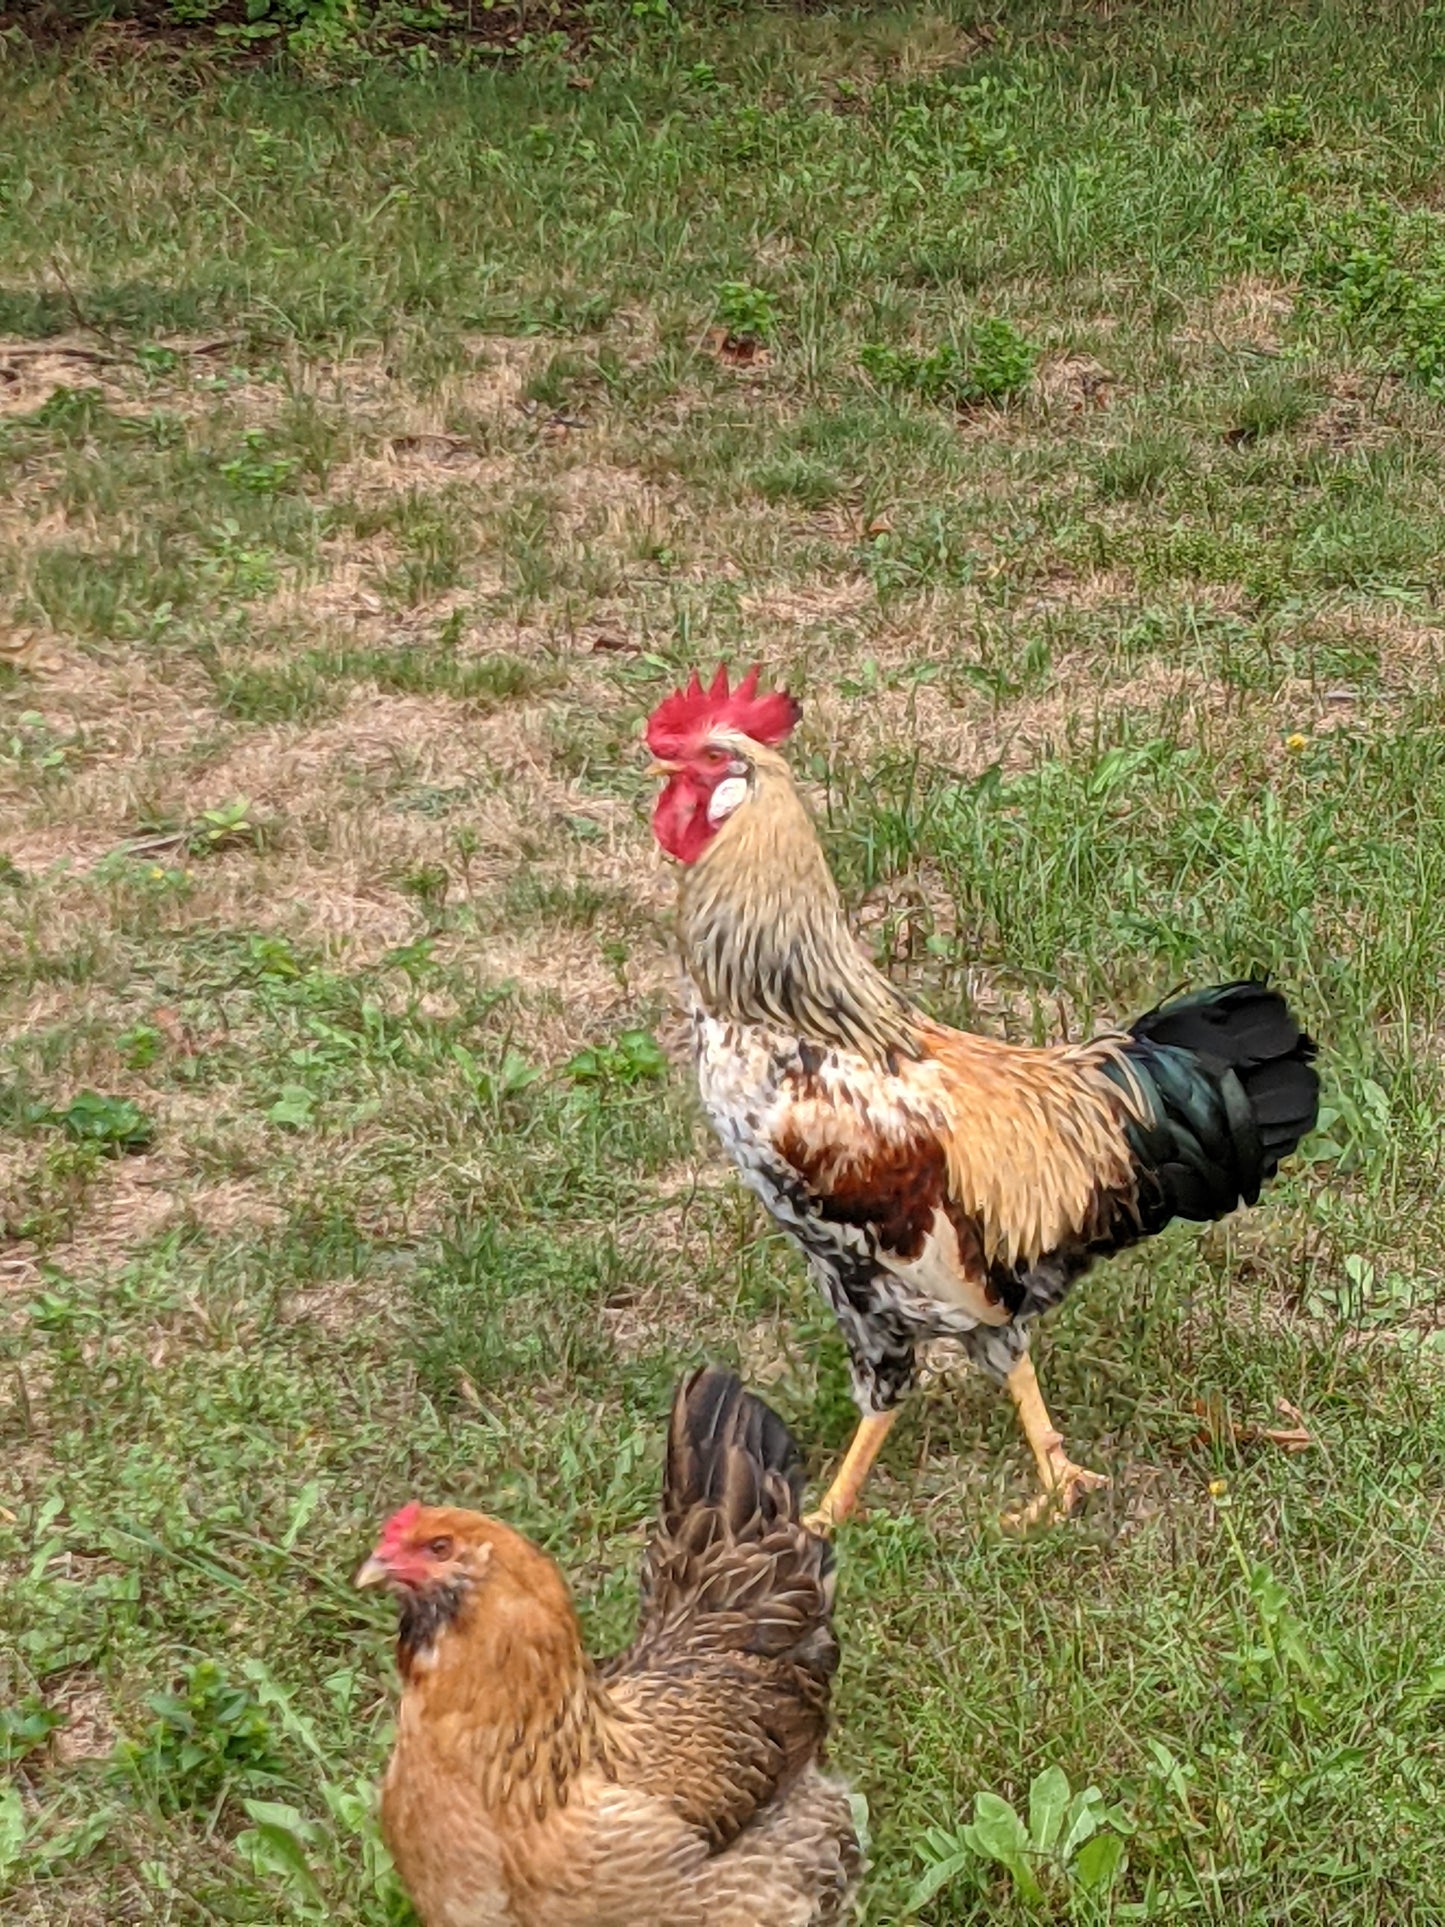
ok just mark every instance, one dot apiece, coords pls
pixel 677 1785
pixel 939 1184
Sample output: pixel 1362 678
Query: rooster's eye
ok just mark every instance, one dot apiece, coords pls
pixel 440 1548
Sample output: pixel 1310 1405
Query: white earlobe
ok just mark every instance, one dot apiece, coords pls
pixel 726 797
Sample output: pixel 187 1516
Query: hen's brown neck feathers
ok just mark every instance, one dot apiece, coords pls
pixel 505 1694
pixel 764 935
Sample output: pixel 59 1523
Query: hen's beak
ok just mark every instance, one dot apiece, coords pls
pixel 659 768
pixel 374 1573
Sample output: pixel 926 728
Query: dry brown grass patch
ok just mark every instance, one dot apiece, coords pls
pixel 126 704
pixel 823 603
pixel 223 1207
pixel 1060 587
pixel 341 592
pixel 1359 414
pixel 964 729
pixel 901 46
pixel 283 767
pixel 1248 313
pixel 924 716
pixel 1411 646
pixel 1076 383
pixel 127 1201
pixel 30 373
pixel 90 1731
pixel 501 367
pixel 601 496
pixel 569 994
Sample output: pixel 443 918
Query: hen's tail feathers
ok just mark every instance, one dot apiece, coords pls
pixel 732 1563
pixel 1233 1089
pixel 728 1451
pixel 734 1657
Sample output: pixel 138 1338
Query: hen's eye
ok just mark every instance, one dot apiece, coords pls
pixel 440 1548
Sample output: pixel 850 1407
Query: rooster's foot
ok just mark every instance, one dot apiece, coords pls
pixel 1067 1483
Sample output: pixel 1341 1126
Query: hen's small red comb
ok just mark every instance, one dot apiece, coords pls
pixel 685 718
pixel 397 1527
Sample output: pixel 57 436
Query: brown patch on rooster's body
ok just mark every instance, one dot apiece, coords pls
pixel 1000 1287
pixel 893 1187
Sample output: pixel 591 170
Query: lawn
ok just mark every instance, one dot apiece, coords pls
pixel 1053 396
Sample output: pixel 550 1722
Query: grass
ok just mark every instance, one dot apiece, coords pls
pixel 1053 396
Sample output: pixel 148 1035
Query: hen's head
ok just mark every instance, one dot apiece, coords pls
pixel 701 739
pixel 425 1547
pixel 431 1558
pixel 439 1560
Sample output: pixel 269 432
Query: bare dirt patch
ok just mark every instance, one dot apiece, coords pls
pixel 31 371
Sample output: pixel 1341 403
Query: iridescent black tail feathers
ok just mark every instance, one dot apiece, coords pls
pixel 1234 1090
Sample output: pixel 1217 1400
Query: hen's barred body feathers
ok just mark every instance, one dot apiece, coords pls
pixel 679 1783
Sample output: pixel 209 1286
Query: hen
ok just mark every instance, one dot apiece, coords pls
pixel 678 1785
pixel 940 1184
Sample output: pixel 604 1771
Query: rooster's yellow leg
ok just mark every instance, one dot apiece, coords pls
pixel 842 1494
pixel 1062 1480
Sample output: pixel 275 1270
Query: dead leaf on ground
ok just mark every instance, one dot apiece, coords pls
pixel 557 425
pixel 737 351
pixel 1291 1438
pixel 23 649
pixel 1295 1437
pixel 179 1035
pixel 431 448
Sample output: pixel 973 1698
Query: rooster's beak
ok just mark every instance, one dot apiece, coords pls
pixel 374 1573
pixel 659 768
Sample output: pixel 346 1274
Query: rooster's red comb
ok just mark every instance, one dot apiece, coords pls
pixel 688 716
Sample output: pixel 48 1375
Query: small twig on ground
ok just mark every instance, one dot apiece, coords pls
pixel 211 346
pixel 77 313
pixel 82 351
pixel 152 845
pixel 22 350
